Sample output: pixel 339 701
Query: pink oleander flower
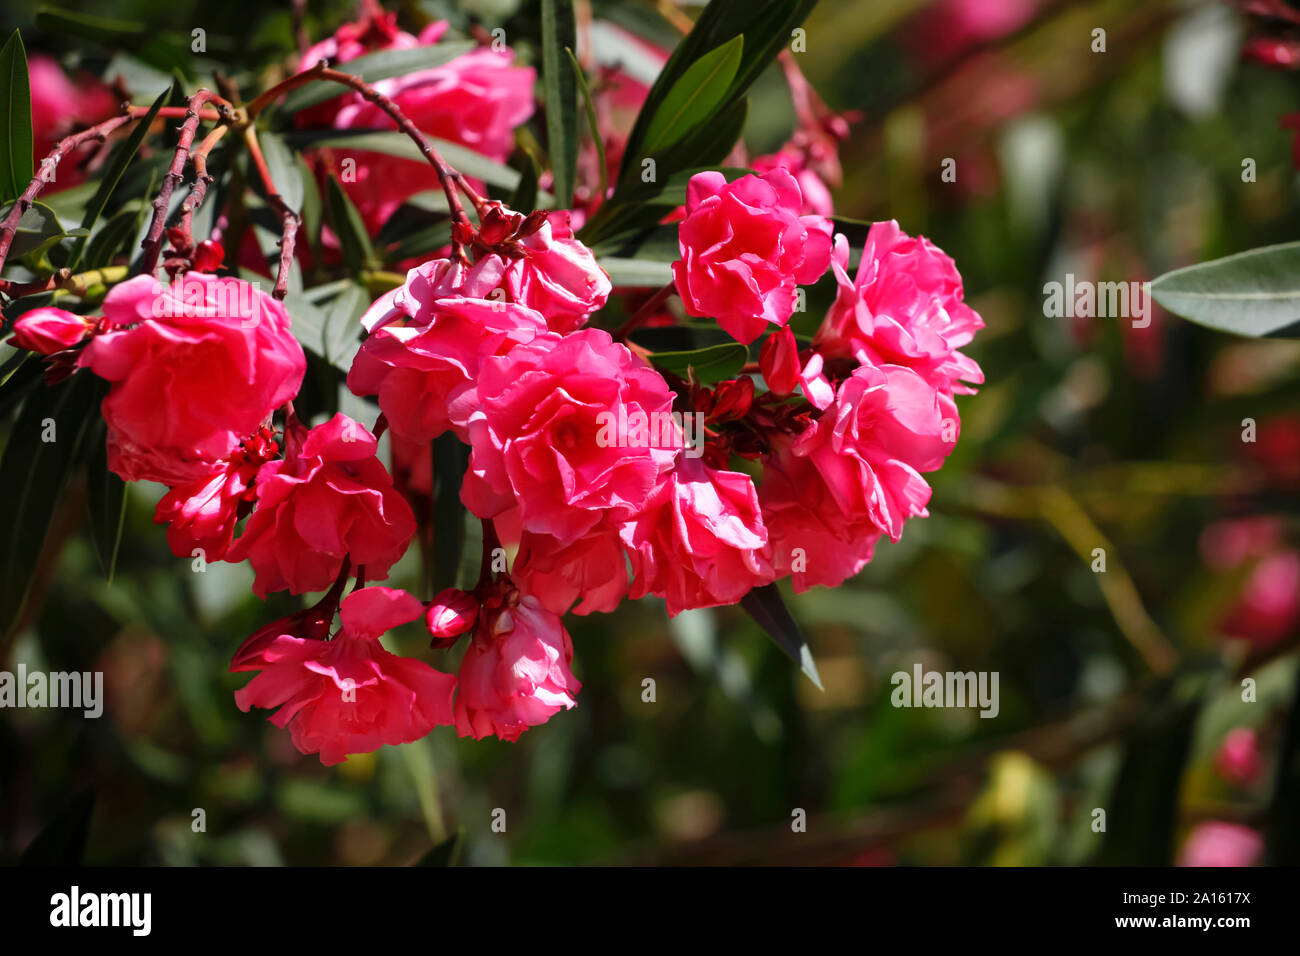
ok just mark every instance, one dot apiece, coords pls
pixel 325 502
pixel 428 337
pixel 745 248
pixel 202 514
pixel 905 307
pixel 515 673
pixel 477 100
pixel 48 330
pixel 347 695
pixel 855 472
pixel 700 540
pixel 196 367
pixel 1238 758
pixel 559 277
pixel 591 571
pixel 553 428
pixel 809 537
pixel 1214 843
pixel 59 106
pixel 816 194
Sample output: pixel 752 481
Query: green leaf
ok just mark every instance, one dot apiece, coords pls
pixel 113 174
pixel 637 273
pixel 115 235
pixel 766 26
pixel 63 841
pixel 445 853
pixel 394 143
pixel 766 606
pixel 372 67
pixel 16 142
pixel 38 230
pixel 1142 810
pixel 106 497
pixel 166 50
pixel 695 97
pixel 284 170
pixel 561 88
pixel 671 192
pixel 525 194
pixel 342 329
pixel 33 474
pixel 346 222
pixel 593 124
pixel 1255 293
pixel 1283 833
pixel 716 363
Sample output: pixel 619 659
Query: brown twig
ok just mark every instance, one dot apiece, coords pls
pixel 289 218
pixel 452 181
pixel 45 174
pixel 645 313
pixel 152 243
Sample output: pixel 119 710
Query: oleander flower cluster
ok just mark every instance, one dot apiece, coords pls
pixel 597 475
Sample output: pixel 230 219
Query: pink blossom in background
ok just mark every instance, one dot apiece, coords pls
pixel 1268 608
pixel 1214 843
pixel 515 673
pixel 745 247
pixel 348 695
pixel 196 367
pixel 905 307
pixel 948 28
pixel 59 107
pixel 816 194
pixel 476 99
pixel 328 501
pixel 538 420
pixel 1238 758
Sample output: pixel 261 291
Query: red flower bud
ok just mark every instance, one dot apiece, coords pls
pixel 49 330
pixel 732 399
pixel 450 614
pixel 779 362
pixel 208 256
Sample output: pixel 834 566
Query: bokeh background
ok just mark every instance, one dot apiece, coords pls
pixel 1119 690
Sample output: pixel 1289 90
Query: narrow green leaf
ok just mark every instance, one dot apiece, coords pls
pixel 45 447
pixel 342 330
pixel 113 174
pixel 694 98
pixel 347 224
pixel 637 273
pixel 394 143
pixel 445 853
pixel 766 606
pixel 1254 293
pixel 560 85
pixel 16 143
pixel 106 498
pixel 714 363
pixel 372 67
pixel 593 124
pixel 284 170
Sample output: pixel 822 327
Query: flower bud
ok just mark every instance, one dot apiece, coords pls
pixel 450 614
pixel 779 362
pixel 732 399
pixel 49 330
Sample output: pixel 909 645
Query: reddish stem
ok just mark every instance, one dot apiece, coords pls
pixel 645 313
pixel 289 219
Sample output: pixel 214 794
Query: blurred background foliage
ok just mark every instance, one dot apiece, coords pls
pixel 1119 690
